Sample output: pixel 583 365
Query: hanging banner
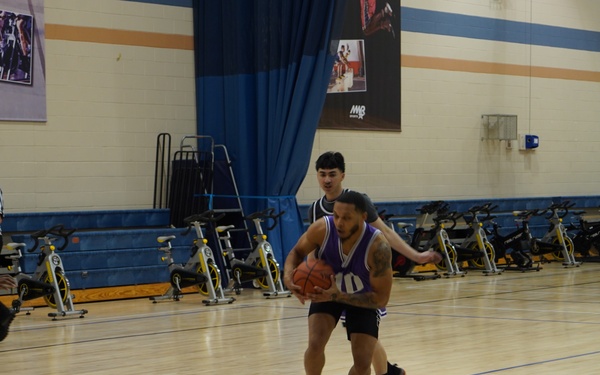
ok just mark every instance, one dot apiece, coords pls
pixel 364 87
pixel 22 65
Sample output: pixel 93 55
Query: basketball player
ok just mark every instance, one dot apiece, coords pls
pixel 331 171
pixel 361 259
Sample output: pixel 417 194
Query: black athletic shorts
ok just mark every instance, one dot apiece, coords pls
pixel 358 319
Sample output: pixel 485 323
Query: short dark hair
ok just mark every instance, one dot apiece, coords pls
pixel 355 198
pixel 331 160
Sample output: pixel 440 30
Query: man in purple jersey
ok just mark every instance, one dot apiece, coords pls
pixel 331 171
pixel 361 259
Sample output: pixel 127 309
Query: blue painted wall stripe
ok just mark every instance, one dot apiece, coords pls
pixel 177 3
pixel 459 25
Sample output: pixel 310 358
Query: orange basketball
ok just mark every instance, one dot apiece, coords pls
pixel 310 273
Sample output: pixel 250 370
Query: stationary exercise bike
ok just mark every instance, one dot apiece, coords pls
pixel 552 243
pixel 477 240
pixel 518 242
pixel 437 238
pixel 48 280
pixel 402 266
pixel 10 264
pixel 586 237
pixel 262 256
pixel 464 241
pixel 238 271
pixel 558 236
pixel 179 276
pixel 201 267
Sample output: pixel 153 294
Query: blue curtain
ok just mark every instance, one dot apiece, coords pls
pixel 262 70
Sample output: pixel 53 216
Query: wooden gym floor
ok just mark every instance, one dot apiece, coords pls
pixel 545 322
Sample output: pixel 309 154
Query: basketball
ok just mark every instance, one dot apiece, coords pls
pixel 311 273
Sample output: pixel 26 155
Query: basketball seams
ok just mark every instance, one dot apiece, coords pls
pixel 310 275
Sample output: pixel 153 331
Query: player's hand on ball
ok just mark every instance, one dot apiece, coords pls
pixel 310 274
pixel 296 290
pixel 325 295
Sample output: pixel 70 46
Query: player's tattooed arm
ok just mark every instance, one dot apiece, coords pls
pixel 380 263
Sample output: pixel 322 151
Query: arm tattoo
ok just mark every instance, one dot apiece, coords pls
pixel 382 259
pixel 360 299
pixel 382 262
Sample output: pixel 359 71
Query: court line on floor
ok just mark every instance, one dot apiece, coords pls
pixel 480 294
pixel 491 318
pixel 538 363
pixel 144 316
pixel 144 334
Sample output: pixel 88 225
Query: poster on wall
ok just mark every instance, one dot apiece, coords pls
pixel 22 72
pixel 364 86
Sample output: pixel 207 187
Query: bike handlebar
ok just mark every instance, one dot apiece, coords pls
pixel 452 216
pixel 486 208
pixel 432 207
pixel 526 215
pixel 268 213
pixel 565 208
pixel 203 218
pixel 554 208
pixel 57 230
pixel 386 217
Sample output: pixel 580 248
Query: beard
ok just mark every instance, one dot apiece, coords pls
pixel 351 232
